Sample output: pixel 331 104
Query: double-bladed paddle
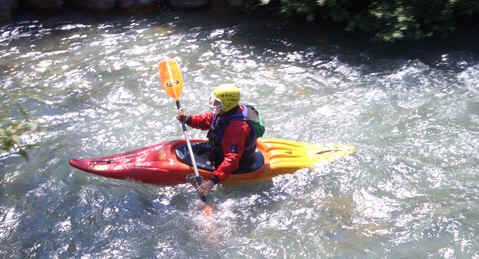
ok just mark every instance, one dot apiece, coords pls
pixel 172 83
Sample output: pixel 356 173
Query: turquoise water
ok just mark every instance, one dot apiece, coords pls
pixel 409 191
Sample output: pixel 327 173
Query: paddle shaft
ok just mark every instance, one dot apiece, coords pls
pixel 172 82
pixel 183 126
pixel 198 178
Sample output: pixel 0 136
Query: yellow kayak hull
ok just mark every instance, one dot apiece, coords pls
pixel 286 157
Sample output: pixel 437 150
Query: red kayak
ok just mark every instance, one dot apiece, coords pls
pixel 169 163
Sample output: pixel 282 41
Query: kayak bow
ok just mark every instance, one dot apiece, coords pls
pixel 167 164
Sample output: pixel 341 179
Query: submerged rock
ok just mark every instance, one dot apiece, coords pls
pixel 7 9
pixel 95 5
pixel 188 4
pixel 43 4
pixel 235 3
pixel 226 7
pixel 137 5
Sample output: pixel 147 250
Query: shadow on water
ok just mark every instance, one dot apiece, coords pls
pixel 322 42
pixel 317 42
pixel 357 49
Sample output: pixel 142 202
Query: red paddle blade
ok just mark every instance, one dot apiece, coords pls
pixel 208 210
pixel 205 208
pixel 171 79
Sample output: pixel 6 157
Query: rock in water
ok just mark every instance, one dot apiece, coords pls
pixel 188 4
pixel 137 5
pixel 7 8
pixel 43 4
pixel 95 5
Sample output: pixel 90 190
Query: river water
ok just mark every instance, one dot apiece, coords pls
pixel 409 191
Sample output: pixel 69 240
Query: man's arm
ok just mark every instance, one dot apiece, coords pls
pixel 200 121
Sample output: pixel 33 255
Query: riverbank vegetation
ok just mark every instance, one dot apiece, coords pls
pixel 12 132
pixel 386 20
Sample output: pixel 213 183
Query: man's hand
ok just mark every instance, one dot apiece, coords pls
pixel 181 115
pixel 205 187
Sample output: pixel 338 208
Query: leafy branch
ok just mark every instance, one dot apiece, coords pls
pixel 11 133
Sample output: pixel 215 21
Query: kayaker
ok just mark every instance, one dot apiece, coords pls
pixel 232 132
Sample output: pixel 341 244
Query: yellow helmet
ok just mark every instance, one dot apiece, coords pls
pixel 225 97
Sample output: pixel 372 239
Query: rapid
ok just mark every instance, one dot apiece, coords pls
pixel 409 191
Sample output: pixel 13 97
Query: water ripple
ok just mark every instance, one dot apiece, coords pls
pixel 408 191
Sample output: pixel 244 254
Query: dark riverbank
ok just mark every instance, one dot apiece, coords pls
pixel 9 9
pixel 378 22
